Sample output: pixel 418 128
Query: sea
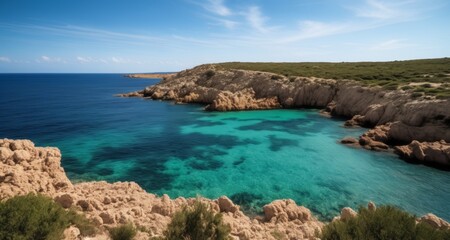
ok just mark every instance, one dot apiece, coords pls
pixel 253 157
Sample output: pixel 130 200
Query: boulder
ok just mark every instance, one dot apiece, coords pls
pixel 347 213
pixel 64 200
pixel 434 221
pixel 226 205
pixel 426 152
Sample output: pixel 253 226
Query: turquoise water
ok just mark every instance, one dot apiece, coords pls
pixel 253 157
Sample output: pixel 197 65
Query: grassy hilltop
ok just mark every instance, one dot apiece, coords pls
pixel 425 76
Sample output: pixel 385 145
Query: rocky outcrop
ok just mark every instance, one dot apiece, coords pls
pixel 433 152
pixel 25 168
pixel 423 119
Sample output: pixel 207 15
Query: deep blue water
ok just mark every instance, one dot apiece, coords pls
pixel 254 157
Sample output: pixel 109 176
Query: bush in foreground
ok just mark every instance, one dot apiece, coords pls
pixel 197 222
pixel 37 217
pixel 384 223
pixel 123 232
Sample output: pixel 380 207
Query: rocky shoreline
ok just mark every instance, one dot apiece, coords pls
pixel 25 168
pixel 396 116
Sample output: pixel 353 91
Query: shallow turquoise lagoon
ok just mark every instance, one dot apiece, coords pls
pixel 253 157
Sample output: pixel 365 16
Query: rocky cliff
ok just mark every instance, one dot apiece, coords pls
pixel 424 119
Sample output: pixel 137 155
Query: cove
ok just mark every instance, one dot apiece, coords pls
pixel 253 157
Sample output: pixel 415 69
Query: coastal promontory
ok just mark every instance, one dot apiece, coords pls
pixel 398 115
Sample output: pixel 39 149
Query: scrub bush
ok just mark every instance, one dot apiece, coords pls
pixel 385 223
pixel 197 222
pixel 123 232
pixel 36 217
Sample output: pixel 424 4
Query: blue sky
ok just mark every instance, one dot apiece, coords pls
pixel 171 35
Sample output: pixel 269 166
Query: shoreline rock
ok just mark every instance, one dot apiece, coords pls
pixel 407 118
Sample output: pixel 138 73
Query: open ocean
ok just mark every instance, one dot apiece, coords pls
pixel 253 157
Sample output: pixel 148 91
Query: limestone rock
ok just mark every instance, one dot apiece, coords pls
pixel 226 205
pixel 72 233
pixel 349 140
pixel 347 213
pixel 285 210
pixel 64 200
pixel 428 152
pixel 371 206
pixel 434 221
pixel 25 168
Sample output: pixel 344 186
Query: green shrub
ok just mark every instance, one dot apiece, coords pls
pixel 209 74
pixel 197 222
pixel 86 227
pixel 276 77
pixel 32 217
pixel 123 232
pixel 385 223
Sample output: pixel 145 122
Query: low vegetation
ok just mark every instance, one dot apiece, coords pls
pixel 38 217
pixel 384 223
pixel 123 232
pixel 427 76
pixel 197 222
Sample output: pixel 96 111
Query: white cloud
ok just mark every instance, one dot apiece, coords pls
pixel 217 7
pixel 45 58
pixel 392 44
pixel 5 59
pixel 119 60
pixel 376 9
pixel 228 23
pixel 84 59
pixel 256 19
pixel 387 10
pixel 315 29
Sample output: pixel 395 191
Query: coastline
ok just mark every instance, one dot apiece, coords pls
pixel 29 169
pixel 416 128
pixel 149 75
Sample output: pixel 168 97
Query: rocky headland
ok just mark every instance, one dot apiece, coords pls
pixel 25 169
pixel 397 117
pixel 149 75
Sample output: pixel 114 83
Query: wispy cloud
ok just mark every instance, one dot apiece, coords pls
pixel 119 60
pixel 256 19
pixel 387 10
pixel 230 24
pixel 5 59
pixel 84 59
pixel 84 32
pixel 217 7
pixel 48 59
pixel 392 44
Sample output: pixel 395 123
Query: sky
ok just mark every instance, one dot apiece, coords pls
pixel 123 36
